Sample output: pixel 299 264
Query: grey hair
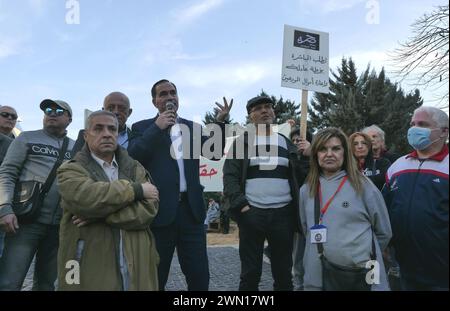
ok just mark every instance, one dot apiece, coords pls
pixel 375 128
pixel 436 114
pixel 100 113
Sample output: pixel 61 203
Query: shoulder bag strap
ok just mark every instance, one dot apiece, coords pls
pixel 316 220
pixel 51 177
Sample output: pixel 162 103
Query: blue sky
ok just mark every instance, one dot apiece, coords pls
pixel 209 48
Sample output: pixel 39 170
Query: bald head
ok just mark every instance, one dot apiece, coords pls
pixel 119 104
pixel 8 119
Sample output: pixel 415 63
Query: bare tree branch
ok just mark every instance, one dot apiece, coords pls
pixel 425 55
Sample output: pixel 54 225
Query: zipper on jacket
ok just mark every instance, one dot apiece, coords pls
pixel 408 216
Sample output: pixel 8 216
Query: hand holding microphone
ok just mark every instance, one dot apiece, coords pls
pixel 168 117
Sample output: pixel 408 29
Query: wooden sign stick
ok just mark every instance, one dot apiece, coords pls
pixel 304 115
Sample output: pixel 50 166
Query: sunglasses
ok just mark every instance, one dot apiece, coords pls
pixel 7 115
pixel 58 111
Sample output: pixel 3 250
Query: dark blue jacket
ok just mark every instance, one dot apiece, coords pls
pixel 416 195
pixel 151 147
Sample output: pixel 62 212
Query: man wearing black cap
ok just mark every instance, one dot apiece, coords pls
pixel 262 186
pixel 29 160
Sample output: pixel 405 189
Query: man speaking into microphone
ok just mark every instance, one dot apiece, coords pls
pixel 158 144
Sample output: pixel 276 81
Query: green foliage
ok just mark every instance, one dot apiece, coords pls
pixel 210 117
pixel 356 102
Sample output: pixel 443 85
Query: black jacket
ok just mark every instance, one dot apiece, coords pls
pixel 151 147
pixel 235 175
pixel 391 156
pixel 376 169
pixel 5 141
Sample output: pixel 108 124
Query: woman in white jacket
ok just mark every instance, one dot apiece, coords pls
pixel 344 218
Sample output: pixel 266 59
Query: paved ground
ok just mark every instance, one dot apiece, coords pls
pixel 224 266
pixel 224 269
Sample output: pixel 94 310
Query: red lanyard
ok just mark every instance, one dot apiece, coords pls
pixel 324 209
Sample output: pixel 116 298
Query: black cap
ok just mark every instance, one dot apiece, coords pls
pixel 258 100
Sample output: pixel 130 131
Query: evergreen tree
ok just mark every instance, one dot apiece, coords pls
pixel 211 117
pixel 356 102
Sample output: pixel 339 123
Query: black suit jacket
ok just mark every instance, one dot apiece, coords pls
pixel 151 147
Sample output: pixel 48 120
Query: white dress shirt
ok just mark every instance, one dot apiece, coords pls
pixel 177 149
pixel 112 171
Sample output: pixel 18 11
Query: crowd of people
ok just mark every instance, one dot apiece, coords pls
pixel 107 211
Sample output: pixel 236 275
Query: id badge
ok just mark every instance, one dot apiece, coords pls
pixel 318 234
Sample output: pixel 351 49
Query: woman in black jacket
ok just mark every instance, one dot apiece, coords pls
pixel 375 169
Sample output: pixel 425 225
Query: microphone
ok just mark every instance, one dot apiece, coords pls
pixel 170 106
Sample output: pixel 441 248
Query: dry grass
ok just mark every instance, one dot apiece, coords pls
pixel 218 238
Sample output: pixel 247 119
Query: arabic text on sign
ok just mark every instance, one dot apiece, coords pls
pixel 204 171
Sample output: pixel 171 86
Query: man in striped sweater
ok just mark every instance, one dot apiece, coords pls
pixel 262 176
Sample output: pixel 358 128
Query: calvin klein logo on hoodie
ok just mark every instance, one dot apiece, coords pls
pixel 46 150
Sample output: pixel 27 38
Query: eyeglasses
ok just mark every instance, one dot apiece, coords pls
pixel 58 111
pixel 7 115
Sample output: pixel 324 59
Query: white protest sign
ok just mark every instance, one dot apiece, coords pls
pixel 305 59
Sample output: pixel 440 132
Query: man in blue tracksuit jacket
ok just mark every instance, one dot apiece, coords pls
pixel 416 194
pixel 169 148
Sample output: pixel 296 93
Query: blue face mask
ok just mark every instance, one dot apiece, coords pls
pixel 419 137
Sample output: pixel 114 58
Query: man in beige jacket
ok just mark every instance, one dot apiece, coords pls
pixel 109 204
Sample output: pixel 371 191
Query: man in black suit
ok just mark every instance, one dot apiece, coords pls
pixel 168 147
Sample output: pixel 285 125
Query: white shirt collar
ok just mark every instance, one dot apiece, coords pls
pixel 103 163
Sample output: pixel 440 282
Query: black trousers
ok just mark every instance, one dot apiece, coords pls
pixel 189 239
pixel 225 222
pixel 255 226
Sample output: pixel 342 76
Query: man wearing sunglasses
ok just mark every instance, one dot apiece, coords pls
pixel 8 119
pixel 31 157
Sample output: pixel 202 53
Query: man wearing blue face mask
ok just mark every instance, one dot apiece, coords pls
pixel 416 194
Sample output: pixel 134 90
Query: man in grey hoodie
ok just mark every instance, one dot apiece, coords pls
pixel 31 157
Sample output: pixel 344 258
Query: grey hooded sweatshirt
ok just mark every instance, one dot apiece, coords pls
pixel 31 157
pixel 350 221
